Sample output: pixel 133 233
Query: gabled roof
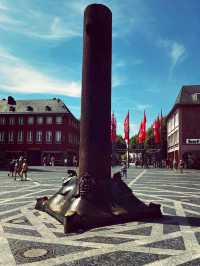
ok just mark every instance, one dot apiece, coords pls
pixel 187 95
pixel 54 105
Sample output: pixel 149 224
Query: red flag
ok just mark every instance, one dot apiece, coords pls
pixel 126 127
pixel 144 127
pixel 145 119
pixel 156 130
pixel 140 134
pixel 142 130
pixel 113 128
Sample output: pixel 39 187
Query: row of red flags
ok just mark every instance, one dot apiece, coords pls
pixel 142 131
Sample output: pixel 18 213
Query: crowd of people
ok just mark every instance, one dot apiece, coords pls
pixel 169 164
pixel 18 167
pixel 48 161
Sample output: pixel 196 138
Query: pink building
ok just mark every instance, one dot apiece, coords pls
pixel 183 127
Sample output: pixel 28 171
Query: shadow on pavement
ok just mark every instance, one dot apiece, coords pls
pixel 175 220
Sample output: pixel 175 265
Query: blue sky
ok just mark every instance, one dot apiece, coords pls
pixel 155 52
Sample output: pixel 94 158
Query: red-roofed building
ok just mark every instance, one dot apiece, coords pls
pixel 38 128
pixel 183 127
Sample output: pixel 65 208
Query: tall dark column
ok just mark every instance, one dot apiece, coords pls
pixel 101 200
pixel 95 144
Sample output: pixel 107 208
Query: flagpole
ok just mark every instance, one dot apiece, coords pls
pixel 128 139
pixel 127 152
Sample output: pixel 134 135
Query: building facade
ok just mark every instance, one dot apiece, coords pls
pixel 38 129
pixel 183 127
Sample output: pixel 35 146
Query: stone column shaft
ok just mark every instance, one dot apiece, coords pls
pixel 95 143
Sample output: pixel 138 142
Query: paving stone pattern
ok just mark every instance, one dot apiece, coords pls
pixel 31 237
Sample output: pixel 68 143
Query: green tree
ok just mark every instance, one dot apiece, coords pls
pixel 120 144
pixel 149 142
pixel 134 142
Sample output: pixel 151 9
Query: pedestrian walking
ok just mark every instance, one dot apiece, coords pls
pixel 24 170
pixel 124 170
pixel 181 166
pixel 174 164
pixel 11 168
pixel 65 162
pixel 16 169
pixel 52 160
pixel 44 161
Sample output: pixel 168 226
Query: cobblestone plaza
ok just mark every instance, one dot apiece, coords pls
pixel 30 237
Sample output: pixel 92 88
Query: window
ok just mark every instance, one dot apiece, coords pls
pixel 11 136
pixel 21 120
pixel 49 120
pixel 2 120
pixel 29 136
pixel 176 120
pixel 58 137
pixel 20 136
pixel 59 120
pixel 39 120
pixel 38 136
pixel 2 136
pixel 196 97
pixel 48 136
pixel 70 138
pixel 11 120
pixel 12 108
pixel 29 108
pixel 47 108
pixel 30 120
pixel 176 137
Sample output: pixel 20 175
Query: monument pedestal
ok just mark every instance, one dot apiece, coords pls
pixel 81 212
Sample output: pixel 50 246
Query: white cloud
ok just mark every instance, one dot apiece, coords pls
pixel 137 62
pixel 152 90
pixel 29 21
pixel 176 52
pixel 17 76
pixel 65 21
pixel 57 29
pixel 3 6
pixel 119 64
pixel 134 128
pixel 117 80
pixel 141 107
pixel 6 21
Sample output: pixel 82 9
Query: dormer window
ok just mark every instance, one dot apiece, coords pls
pixel 11 100
pixel 47 108
pixel 12 108
pixel 29 108
pixel 196 97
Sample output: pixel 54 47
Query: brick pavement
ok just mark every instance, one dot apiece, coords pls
pixel 30 237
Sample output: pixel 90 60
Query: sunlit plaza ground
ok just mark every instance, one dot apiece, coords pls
pixel 31 237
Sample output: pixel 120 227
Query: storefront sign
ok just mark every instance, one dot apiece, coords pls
pixel 192 141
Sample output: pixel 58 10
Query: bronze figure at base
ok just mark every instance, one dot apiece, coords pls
pixel 74 204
